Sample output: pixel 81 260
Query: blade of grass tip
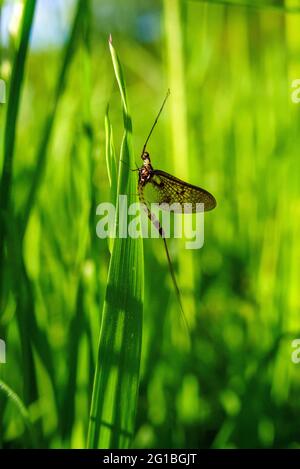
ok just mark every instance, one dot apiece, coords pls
pixel 119 75
pixel 11 120
pixel 111 166
pixel 17 402
pixel 110 157
pixel 115 390
pixel 47 131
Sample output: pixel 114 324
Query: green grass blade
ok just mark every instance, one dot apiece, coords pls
pixel 119 76
pixel 176 66
pixel 110 164
pixel 17 402
pixel 11 118
pixel 110 157
pixel 116 381
pixel 47 131
pixel 31 336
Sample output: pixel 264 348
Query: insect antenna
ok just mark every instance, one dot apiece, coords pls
pixel 155 122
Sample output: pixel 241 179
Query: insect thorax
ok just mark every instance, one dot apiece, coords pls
pixel 145 172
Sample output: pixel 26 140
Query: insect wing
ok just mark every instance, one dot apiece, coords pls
pixel 167 189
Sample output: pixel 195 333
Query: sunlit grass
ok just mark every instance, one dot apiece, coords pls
pixel 115 393
pixel 229 126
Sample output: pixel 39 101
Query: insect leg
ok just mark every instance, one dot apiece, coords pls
pixel 124 162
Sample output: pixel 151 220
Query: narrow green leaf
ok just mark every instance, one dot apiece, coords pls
pixel 17 402
pixel 111 166
pixel 110 157
pixel 11 118
pixel 119 75
pixel 116 381
pixel 47 131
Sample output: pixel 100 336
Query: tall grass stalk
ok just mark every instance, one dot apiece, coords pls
pixel 115 392
pixel 174 26
pixel 41 156
pixel 13 104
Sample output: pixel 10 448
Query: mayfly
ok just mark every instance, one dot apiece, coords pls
pixel 169 190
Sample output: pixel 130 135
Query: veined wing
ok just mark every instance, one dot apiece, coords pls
pixel 170 190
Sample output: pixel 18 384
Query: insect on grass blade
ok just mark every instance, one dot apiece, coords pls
pixel 169 191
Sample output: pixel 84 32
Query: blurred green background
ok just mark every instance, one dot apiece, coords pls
pixel 229 126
